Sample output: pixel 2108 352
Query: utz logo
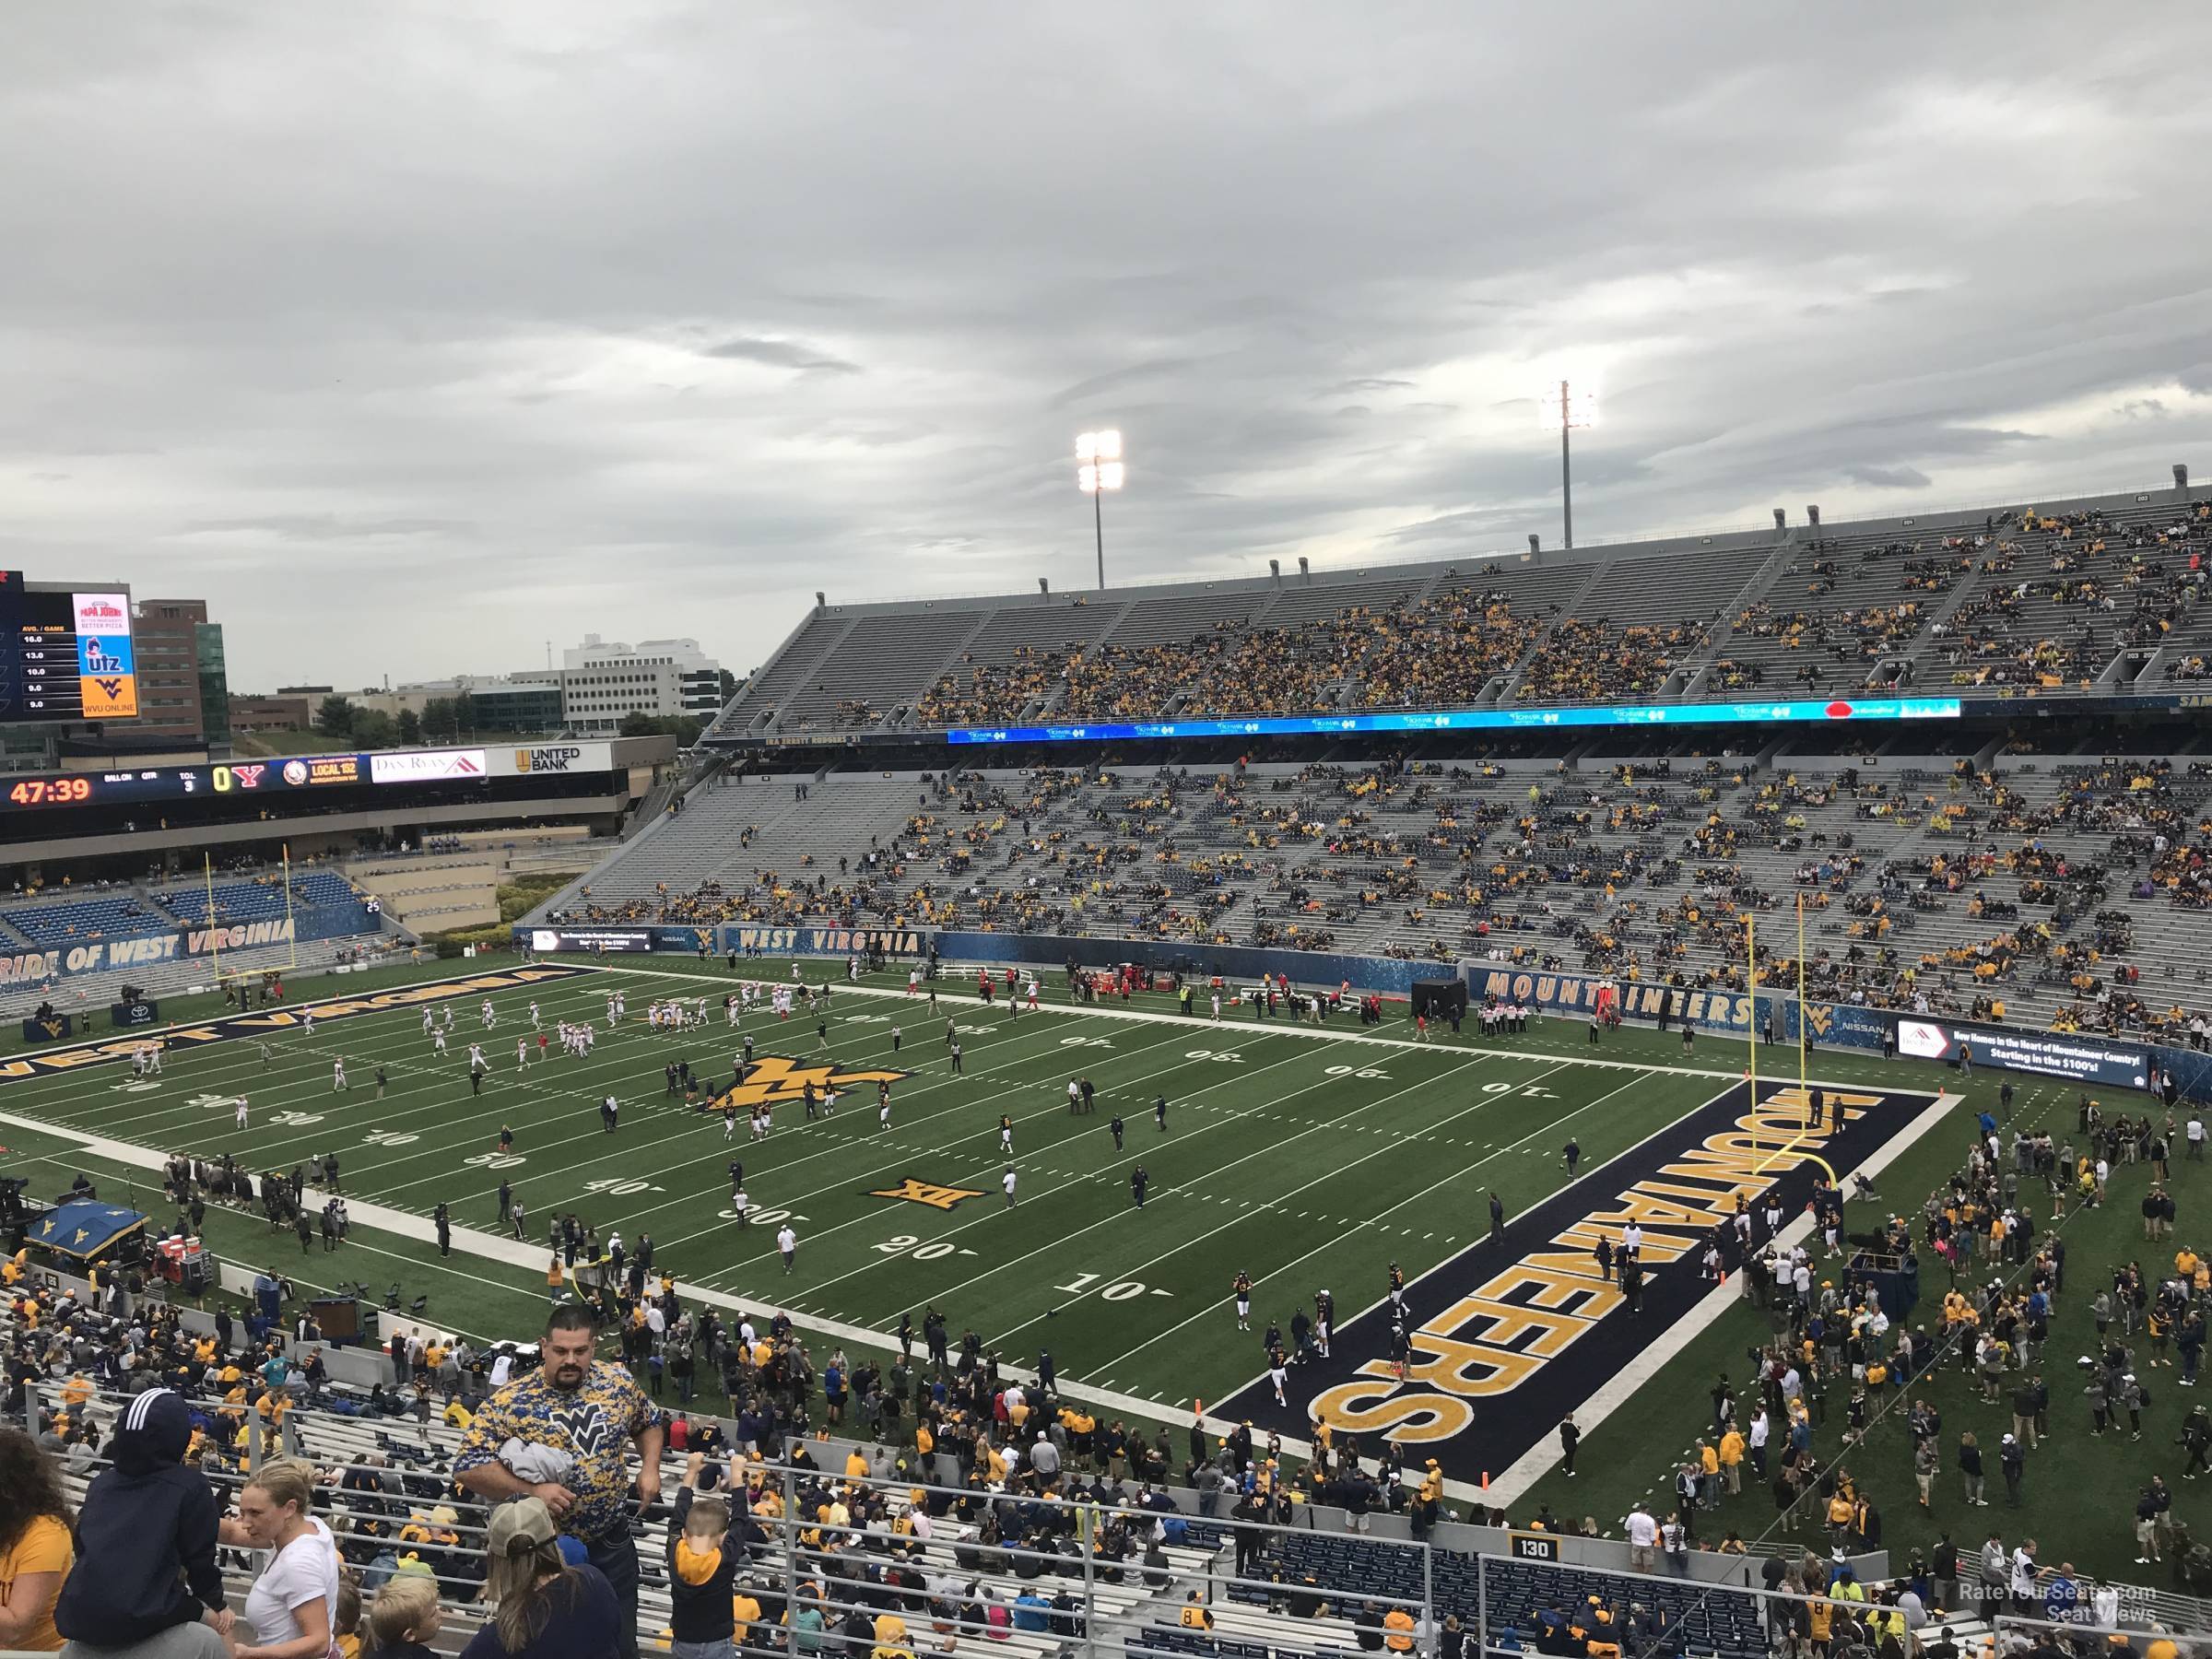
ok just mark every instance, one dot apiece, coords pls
pixel 295 773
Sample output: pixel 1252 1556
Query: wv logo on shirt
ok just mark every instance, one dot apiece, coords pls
pixel 776 1081
pixel 586 1427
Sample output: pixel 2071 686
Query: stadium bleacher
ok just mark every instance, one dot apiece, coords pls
pixel 1923 881
pixel 78 921
pixel 2048 600
pixel 232 901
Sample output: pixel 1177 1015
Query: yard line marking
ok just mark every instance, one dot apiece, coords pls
pixel 1403 1046
pixel 1548 1129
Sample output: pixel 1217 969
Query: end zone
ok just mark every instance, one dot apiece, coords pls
pixel 1508 1339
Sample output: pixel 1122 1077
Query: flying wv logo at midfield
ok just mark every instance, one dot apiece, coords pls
pixel 775 1081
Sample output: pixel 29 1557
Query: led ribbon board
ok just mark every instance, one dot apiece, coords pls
pixel 1480 720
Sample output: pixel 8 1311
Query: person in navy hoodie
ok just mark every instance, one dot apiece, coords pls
pixel 146 1520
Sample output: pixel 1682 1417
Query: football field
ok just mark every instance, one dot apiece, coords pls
pixel 1311 1158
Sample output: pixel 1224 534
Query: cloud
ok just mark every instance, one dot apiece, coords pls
pixel 781 354
pixel 1887 477
pixel 1115 379
pixel 1365 387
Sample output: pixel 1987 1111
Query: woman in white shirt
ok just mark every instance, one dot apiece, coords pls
pixel 293 1606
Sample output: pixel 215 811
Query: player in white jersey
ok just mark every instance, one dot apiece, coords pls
pixel 535 1024
pixel 337 1074
pixel 476 1057
pixel 1032 994
pixel 437 1040
pixel 241 1111
pixel 427 1019
pixel 307 1017
pixel 521 1054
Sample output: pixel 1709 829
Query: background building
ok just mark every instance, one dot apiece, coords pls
pixel 286 711
pixel 602 680
pixel 183 691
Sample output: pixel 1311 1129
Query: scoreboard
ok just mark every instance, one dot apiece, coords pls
pixel 64 655
pixel 298 776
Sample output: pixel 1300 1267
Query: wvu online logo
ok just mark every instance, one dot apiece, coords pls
pixel 775 1081
pixel 929 1192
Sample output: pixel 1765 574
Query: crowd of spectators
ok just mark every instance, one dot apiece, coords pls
pixel 1595 661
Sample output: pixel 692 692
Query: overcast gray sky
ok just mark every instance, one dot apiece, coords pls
pixel 413 336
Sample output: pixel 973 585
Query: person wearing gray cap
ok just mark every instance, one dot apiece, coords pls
pixel 547 1609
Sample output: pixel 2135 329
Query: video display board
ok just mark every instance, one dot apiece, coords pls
pixel 64 655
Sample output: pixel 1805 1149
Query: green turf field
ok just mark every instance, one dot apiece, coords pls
pixel 1308 1158
pixel 1307 1161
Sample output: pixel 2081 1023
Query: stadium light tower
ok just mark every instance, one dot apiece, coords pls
pixel 1567 406
pixel 1099 469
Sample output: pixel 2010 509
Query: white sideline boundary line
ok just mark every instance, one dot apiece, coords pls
pixel 531 1257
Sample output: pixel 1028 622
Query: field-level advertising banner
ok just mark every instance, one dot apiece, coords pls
pixel 723 939
pixel 2078 1058
pixel 1585 993
pixel 1509 1338
pixel 828 941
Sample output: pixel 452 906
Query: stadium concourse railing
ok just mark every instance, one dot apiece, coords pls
pixel 1293 1590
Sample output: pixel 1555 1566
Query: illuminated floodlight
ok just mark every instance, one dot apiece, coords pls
pixel 1099 456
pixel 1099 468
